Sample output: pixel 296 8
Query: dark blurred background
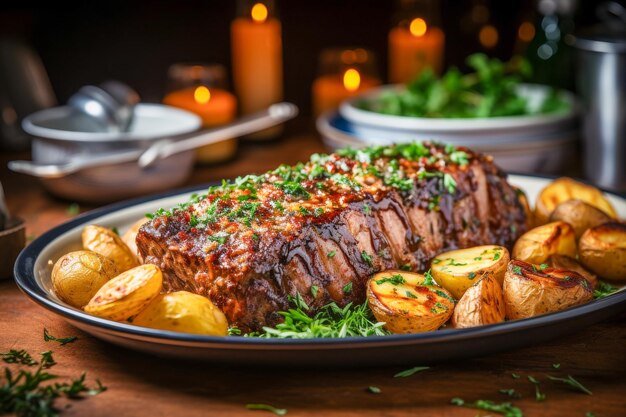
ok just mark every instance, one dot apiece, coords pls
pixel 86 42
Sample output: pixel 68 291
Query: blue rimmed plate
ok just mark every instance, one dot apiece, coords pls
pixel 34 265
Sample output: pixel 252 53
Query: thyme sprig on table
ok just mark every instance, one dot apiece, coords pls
pixel 24 393
pixel 330 321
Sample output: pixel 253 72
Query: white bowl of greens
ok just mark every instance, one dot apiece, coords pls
pixel 488 106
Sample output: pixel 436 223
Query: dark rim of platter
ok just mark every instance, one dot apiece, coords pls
pixel 26 281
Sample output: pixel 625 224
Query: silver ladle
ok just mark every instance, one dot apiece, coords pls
pixel 274 115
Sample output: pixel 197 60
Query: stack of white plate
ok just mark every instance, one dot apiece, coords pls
pixel 542 143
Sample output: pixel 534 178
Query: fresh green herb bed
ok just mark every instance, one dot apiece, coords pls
pixel 491 90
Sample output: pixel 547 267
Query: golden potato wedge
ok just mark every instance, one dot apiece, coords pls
pixel 580 215
pixel 77 276
pixel 571 264
pixel 530 291
pixel 603 250
pixel 482 303
pixel 183 311
pixel 129 238
pixel 536 245
pixel 458 270
pixel 564 189
pixel 127 294
pixel 105 242
pixel 408 302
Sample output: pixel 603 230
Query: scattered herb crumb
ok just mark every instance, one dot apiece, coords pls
pixel 18 356
pixel 572 383
pixel 510 392
pixel 532 379
pixel 556 365
pixel 63 341
pixel 73 209
pixel 514 375
pixel 539 396
pixel 411 371
pixel 267 407
pixel 314 290
pixel 331 254
pixel 506 409
pixel 589 414
pixel 347 289
pixel 374 390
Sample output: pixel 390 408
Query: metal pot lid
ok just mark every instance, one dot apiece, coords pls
pixel 609 36
pixel 607 43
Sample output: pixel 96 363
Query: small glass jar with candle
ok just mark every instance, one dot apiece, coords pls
pixel 202 89
pixel 343 73
pixel 257 56
pixel 415 43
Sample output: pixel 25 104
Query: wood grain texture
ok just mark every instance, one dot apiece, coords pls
pixel 142 385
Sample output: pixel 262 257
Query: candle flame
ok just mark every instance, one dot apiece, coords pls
pixel 488 36
pixel 418 27
pixel 526 31
pixel 259 12
pixel 351 80
pixel 202 95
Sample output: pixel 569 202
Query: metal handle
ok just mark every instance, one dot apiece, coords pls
pixel 274 115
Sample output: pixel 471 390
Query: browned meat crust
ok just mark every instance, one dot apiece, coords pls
pixel 322 228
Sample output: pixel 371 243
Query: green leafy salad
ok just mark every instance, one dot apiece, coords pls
pixel 491 90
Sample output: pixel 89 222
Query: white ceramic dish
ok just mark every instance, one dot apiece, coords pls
pixel 384 129
pixel 34 265
pixel 548 156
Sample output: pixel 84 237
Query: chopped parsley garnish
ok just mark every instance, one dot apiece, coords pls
pixel 347 289
pixel 572 383
pixel 603 289
pixel 410 294
pixel 331 254
pixel 405 267
pixel 471 275
pixel 452 262
pixel 506 409
pixel 318 211
pixel 459 157
pixel 294 189
pixel 330 321
pixel 428 278
pixel 314 290
pixel 411 371
pixel 396 279
pixel 543 266
pixel 374 390
pixel 63 341
pixel 267 407
pixel 367 209
pixel 436 261
pixel 517 269
pixel 73 209
pixel 367 258
pixel 219 239
pixel 510 392
pixel 496 256
pixel 234 331
pixel 449 183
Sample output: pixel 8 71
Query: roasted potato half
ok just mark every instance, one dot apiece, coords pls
pixel 127 294
pixel 105 242
pixel 458 270
pixel 183 311
pixel 77 276
pixel 523 199
pixel 580 215
pixel 408 302
pixel 129 238
pixel 570 264
pixel 530 291
pixel 564 189
pixel 482 303
pixel 538 244
pixel 603 250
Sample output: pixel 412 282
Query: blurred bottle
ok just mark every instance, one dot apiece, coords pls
pixel 548 53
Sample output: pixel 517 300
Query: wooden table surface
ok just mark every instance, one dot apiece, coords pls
pixel 141 385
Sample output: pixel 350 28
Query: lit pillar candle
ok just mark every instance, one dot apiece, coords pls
pixel 413 48
pixel 257 62
pixel 330 90
pixel 215 107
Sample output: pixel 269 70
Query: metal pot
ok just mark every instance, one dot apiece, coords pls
pixel 155 154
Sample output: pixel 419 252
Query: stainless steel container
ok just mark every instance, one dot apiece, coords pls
pixel 601 84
